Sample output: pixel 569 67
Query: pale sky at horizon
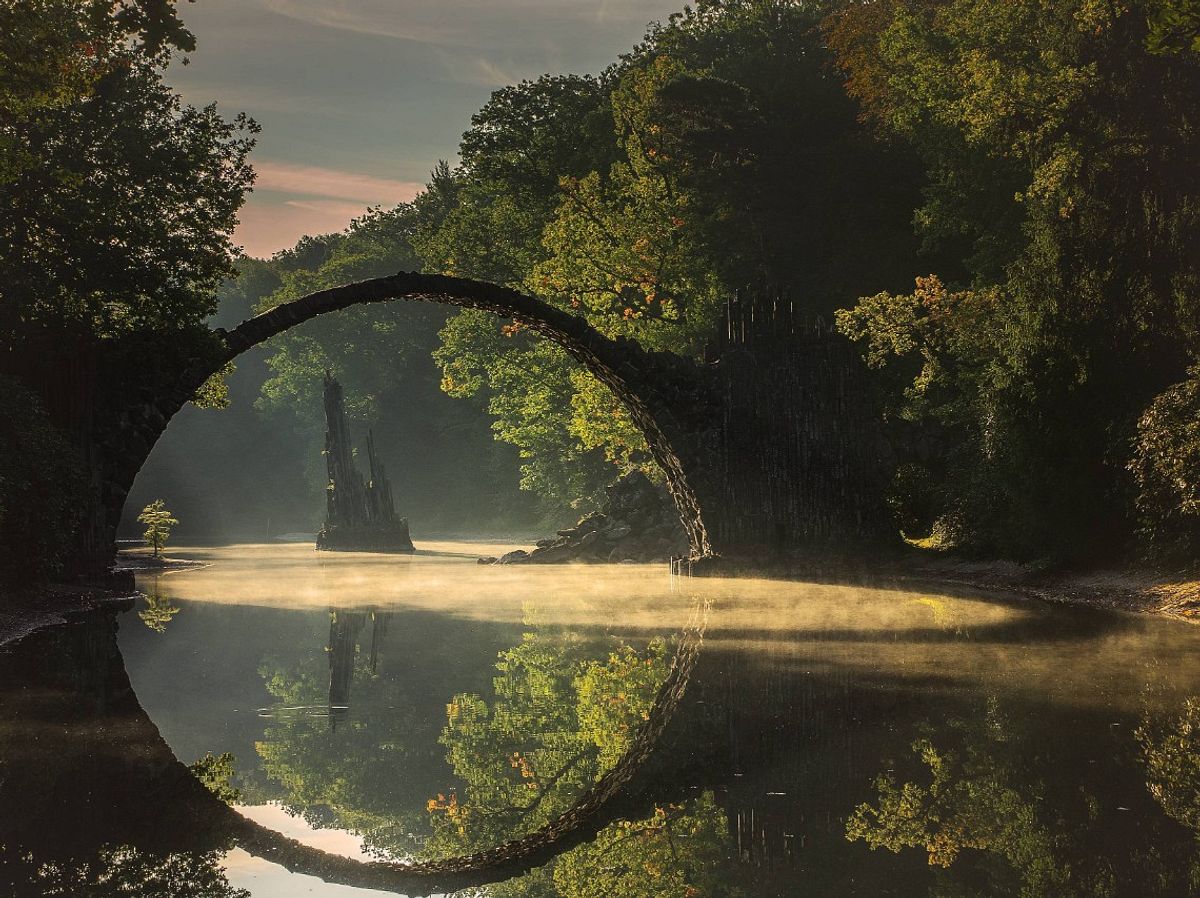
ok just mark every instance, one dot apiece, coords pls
pixel 359 99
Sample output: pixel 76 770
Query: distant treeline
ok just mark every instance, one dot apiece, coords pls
pixel 997 200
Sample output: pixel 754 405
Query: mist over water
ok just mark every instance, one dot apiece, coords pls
pixel 1080 656
pixel 458 686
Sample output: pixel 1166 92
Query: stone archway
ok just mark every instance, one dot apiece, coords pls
pixel 659 390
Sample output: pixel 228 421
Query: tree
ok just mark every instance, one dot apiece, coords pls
pixel 1055 144
pixel 124 222
pixel 560 718
pixel 117 208
pixel 1166 468
pixel 344 776
pixel 679 851
pixel 383 356
pixel 725 154
pixel 158 521
pixel 485 220
pixel 1170 750
pixel 997 809
pixel 1174 26
pixel 216 772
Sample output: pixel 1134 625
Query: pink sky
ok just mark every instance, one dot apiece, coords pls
pixel 291 200
pixel 359 99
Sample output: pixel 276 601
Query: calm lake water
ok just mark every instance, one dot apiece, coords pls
pixel 832 739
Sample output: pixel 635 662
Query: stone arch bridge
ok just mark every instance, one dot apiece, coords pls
pixel 663 393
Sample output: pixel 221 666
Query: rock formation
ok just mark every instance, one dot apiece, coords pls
pixel 638 522
pixel 360 515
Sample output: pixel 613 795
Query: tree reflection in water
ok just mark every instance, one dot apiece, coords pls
pixel 363 773
pixel 559 719
pixel 987 810
pixel 157 610
pixel 351 751
pixel 126 871
pixel 216 772
pixel 1170 747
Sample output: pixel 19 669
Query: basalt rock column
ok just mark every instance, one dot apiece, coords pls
pixel 360 515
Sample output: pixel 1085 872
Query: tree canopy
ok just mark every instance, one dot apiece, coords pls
pixel 1055 141
pixel 117 200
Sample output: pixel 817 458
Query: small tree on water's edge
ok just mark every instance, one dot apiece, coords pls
pixel 158 521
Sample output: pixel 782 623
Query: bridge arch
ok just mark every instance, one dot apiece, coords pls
pixel 647 384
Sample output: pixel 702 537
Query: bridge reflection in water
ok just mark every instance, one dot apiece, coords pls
pixel 996 748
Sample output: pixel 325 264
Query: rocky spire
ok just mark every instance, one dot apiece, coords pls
pixel 359 516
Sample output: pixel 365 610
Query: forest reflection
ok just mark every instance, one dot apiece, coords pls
pixel 126 870
pixel 833 739
pixel 560 713
pixel 983 797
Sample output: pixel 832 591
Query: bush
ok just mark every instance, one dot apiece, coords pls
pixel 1166 466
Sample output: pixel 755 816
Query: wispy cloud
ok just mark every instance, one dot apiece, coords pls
pixel 312 180
pixel 488 74
pixel 469 67
pixel 336 208
pixel 463 23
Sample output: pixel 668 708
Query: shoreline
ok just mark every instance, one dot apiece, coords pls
pixel 1174 595
pixel 1162 594
pixel 24 614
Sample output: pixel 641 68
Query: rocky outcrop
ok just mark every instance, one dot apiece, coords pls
pixel 638 523
pixel 360 514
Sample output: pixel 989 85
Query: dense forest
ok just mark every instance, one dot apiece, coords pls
pixel 997 201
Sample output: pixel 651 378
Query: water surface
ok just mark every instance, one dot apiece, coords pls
pixel 833 739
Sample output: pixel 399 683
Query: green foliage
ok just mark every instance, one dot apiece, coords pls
pixel 1054 142
pixel 217 772
pixel 117 207
pixel 1171 755
pixel 158 521
pixel 348 776
pixel 214 392
pixel 985 799
pixel 615 697
pixel 964 806
pixel 42 489
pixel 936 351
pixel 117 201
pixel 158 610
pixel 559 720
pixel 529 389
pixel 485 220
pixel 1174 26
pixel 977 803
pixel 714 149
pixel 382 354
pixel 678 852
pixel 1166 466
pixel 126 870
pixel 370 347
